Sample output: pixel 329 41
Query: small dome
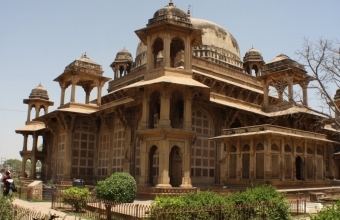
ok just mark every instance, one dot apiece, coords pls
pixel 337 95
pixel 252 55
pixel 279 57
pixel 85 64
pixel 123 55
pixel 39 93
pixel 170 13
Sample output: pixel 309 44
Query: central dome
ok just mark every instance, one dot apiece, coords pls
pixel 216 36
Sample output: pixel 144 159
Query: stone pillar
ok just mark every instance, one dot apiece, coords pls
pixel 163 175
pixel 265 93
pixel 290 90
pixel 145 109
pixel 29 112
pixel 304 95
pixel 164 121
pixel 150 61
pixel 23 166
pixel 62 96
pixel 188 111
pixel 24 148
pixel 99 94
pixel 186 157
pixel 37 110
pixel 127 148
pixel 33 173
pixel 73 91
pixel 252 161
pixel 282 160
pixel 267 165
pixel 144 168
pixel 239 160
pixel 187 53
pixel 68 155
pixel 166 54
pixel 35 142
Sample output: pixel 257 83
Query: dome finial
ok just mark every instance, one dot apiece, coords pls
pixel 170 3
pixel 189 11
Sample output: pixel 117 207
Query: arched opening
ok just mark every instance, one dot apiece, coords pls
pixel 254 70
pixel 33 113
pixel 176 110
pixel 175 167
pixel 310 164
pixel 236 123
pixel 121 71
pixel 40 144
pixel 157 46
pixel 177 52
pixel 245 162
pixel 28 169
pixel 153 165
pixel 299 168
pixel 154 109
pixel 38 169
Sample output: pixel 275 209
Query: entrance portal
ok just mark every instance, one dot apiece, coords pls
pixel 299 168
pixel 175 167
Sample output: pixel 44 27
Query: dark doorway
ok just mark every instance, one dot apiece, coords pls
pixel 175 167
pixel 299 168
pixel 153 165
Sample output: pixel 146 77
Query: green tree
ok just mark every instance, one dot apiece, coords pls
pixel 332 212
pixel 6 208
pixel 120 187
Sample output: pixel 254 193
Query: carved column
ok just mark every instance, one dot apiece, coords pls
pixel 35 142
pixel 62 96
pixel 239 160
pixel 150 62
pixel 74 80
pixel 265 93
pixel 252 159
pixel 188 53
pixel 127 147
pixel 145 109
pixel 144 169
pixel 188 110
pixel 164 121
pixel 25 142
pixel 290 90
pixel 29 112
pixel 100 85
pixel 267 165
pixel 37 110
pixel 304 94
pixel 186 180
pixel 166 55
pixel 163 175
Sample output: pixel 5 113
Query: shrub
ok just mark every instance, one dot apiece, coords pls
pixel 6 207
pixel 332 212
pixel 120 187
pixel 257 202
pixel 76 197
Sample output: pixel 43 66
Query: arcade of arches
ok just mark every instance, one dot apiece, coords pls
pixel 186 112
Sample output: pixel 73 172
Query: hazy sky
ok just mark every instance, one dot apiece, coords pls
pixel 39 38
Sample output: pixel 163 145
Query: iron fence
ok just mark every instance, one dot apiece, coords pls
pixel 94 208
pixel 28 214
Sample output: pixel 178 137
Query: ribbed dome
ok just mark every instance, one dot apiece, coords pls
pixel 252 55
pixel 39 93
pixel 170 14
pixel 123 55
pixel 85 64
pixel 215 35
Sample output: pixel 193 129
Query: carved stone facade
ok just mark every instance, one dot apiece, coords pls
pixel 185 113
